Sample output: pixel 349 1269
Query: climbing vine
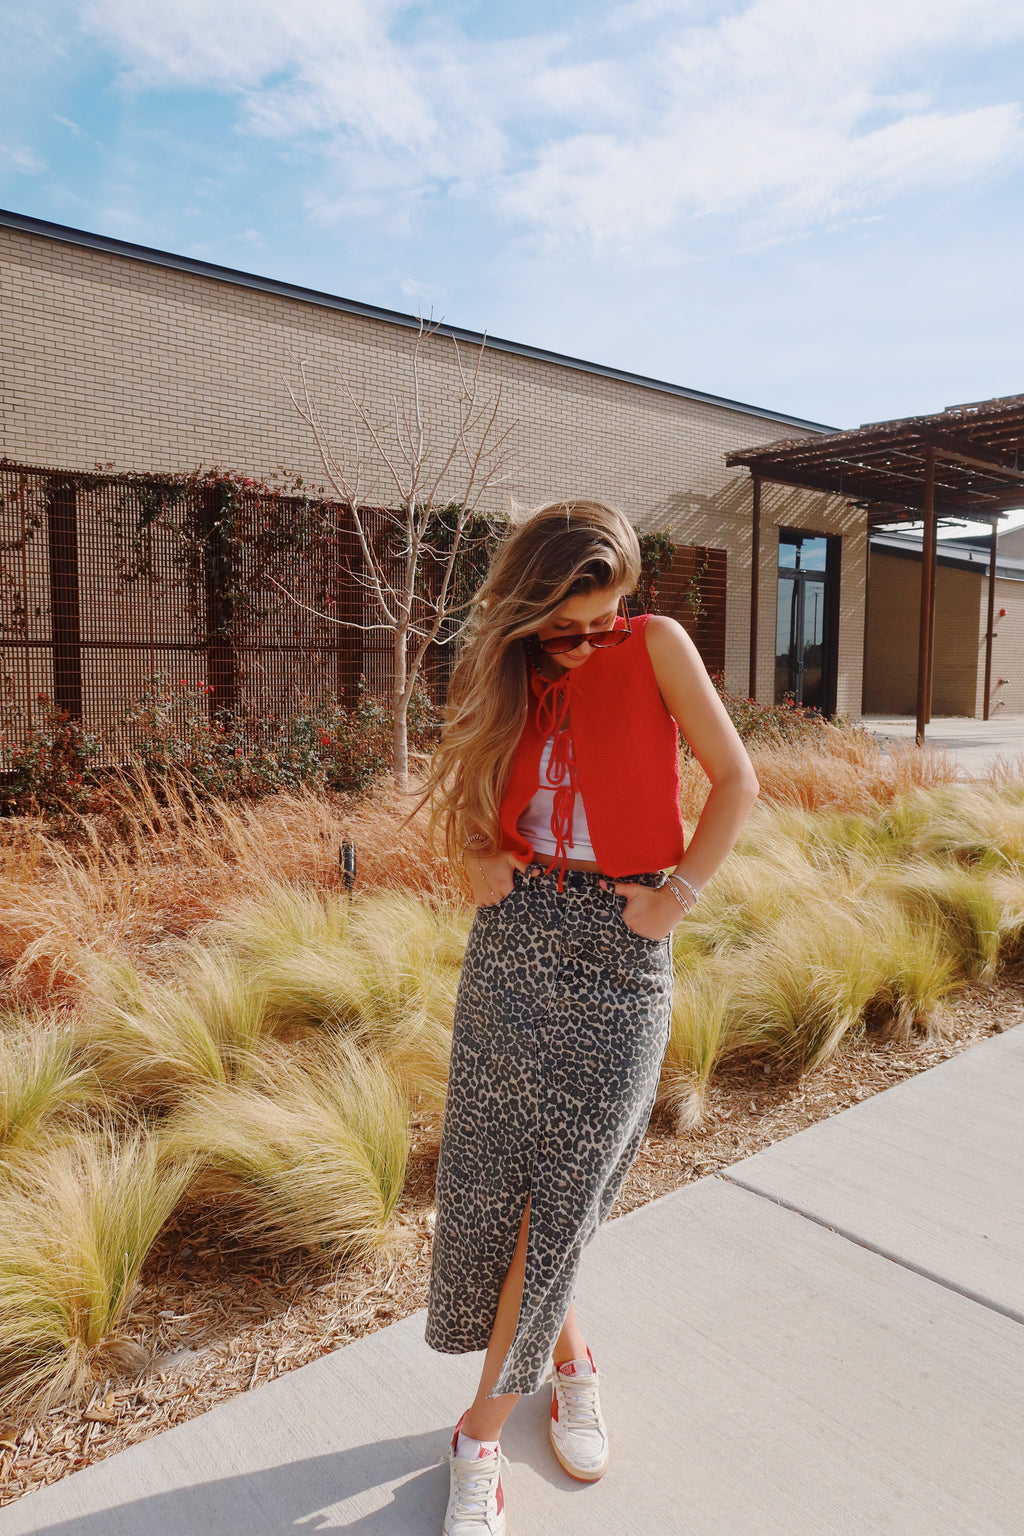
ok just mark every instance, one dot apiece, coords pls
pixel 657 551
pixel 693 592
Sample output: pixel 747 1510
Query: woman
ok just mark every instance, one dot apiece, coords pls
pixel 556 784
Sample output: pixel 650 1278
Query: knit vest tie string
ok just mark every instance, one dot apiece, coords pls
pixel 553 721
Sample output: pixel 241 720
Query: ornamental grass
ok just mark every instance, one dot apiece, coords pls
pixel 311 1152
pixel 206 976
pixel 76 1226
pixel 152 1042
pixel 44 1088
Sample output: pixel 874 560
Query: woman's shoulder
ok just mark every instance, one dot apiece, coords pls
pixel 670 650
pixel 662 632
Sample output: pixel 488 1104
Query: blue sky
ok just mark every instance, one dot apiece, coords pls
pixel 811 205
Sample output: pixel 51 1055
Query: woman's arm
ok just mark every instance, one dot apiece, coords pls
pixel 692 701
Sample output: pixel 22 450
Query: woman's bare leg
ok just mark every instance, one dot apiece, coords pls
pixel 486 1415
pixel 570 1344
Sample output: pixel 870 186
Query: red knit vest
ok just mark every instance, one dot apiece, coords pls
pixel 626 747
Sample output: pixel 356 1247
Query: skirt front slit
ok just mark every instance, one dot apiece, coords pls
pixel 561 1023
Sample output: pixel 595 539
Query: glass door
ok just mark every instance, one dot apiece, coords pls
pixel 804 639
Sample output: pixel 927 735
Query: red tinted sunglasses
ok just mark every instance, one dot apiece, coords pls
pixel 600 639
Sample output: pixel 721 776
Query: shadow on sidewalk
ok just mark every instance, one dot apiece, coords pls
pixel 384 1488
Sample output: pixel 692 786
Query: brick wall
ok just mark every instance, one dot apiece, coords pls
pixel 116 359
pixel 1007 648
pixel 961 612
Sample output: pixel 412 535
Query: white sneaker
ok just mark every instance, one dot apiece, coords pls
pixel 476 1503
pixel 578 1435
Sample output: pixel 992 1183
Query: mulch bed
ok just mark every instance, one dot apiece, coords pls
pixel 218 1318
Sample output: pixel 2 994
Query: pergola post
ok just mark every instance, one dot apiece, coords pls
pixel 990 625
pixel 755 582
pixel 925 629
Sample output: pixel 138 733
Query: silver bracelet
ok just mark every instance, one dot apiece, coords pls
pixel 683 880
pixel 682 903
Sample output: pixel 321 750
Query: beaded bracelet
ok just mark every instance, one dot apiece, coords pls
pixel 675 893
pixel 683 881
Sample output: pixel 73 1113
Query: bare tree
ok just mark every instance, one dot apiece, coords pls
pixel 409 462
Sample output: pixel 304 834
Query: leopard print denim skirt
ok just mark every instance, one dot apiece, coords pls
pixel 561 1023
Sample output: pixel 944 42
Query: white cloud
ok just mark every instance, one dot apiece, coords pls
pixel 765 115
pixel 780 114
pixel 417 290
pixel 20 158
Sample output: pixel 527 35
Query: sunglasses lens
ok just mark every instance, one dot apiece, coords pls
pixel 599 640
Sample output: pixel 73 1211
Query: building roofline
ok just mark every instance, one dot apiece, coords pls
pixel 949 552
pixel 45 229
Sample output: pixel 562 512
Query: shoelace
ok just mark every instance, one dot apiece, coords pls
pixel 473 1480
pixel 578 1395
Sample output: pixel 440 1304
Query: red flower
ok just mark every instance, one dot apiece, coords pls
pixel 325 741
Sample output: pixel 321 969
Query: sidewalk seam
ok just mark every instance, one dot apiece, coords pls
pixel 883 1253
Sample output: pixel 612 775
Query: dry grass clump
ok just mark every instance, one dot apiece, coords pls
pixel 75 1228
pixel 977 825
pixel 699 1038
pixel 155 1041
pixel 824 923
pixel 167 861
pixel 381 969
pixel 413 958
pixel 310 1152
pixel 393 852
pixel 842 767
pixel 272 1034
pixel 44 1088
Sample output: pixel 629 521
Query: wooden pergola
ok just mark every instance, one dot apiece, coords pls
pixel 964 462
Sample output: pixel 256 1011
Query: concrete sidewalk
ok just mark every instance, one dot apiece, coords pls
pixel 827 1338
pixel 974 744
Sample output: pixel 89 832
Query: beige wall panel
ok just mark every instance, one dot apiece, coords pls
pixel 958 621
pixel 890 683
pixel 890 662
pixel 116 360
pixel 1007 650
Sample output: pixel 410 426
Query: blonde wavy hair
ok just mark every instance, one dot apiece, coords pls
pixel 553 552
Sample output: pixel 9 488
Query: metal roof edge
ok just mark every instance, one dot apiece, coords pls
pixel 62 232
pixel 948 552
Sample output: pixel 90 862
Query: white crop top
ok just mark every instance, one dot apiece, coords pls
pixel 535 822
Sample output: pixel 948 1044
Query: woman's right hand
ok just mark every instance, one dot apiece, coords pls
pixel 491 876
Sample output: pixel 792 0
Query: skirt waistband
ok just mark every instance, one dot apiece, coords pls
pixel 581 879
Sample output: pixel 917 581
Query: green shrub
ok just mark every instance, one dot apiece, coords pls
pixel 49 772
pixel 770 725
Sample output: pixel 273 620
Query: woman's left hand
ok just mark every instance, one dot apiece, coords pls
pixel 650 910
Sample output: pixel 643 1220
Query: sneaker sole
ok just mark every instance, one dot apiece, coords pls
pixel 577 1472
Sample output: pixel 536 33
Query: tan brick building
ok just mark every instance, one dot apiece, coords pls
pixel 118 354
